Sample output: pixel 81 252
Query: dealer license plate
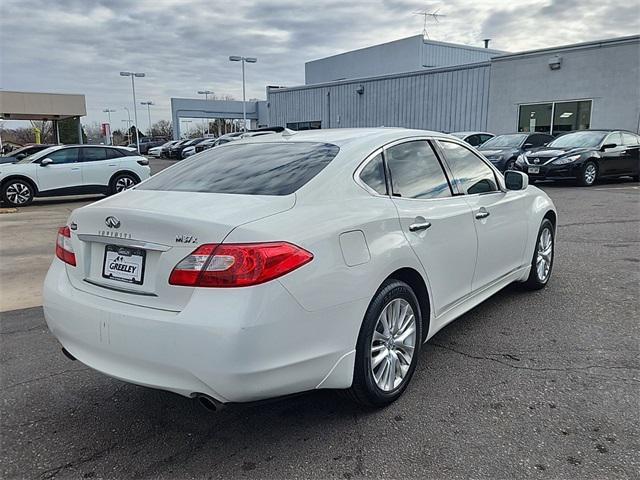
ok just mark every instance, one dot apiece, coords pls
pixel 124 264
pixel 533 170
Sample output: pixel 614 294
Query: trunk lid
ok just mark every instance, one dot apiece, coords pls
pixel 155 230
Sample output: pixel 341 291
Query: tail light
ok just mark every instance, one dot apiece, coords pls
pixel 238 265
pixel 64 250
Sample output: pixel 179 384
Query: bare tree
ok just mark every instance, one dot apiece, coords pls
pixel 162 128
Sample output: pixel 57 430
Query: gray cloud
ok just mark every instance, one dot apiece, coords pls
pixel 80 46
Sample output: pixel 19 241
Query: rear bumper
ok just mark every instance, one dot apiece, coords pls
pixel 250 344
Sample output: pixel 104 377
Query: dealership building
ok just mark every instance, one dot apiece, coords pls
pixel 430 85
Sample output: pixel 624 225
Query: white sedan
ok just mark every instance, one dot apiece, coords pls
pixel 71 170
pixel 294 262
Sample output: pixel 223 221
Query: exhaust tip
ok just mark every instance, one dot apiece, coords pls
pixel 207 402
pixel 68 355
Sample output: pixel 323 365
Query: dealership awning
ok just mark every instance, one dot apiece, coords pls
pixel 41 106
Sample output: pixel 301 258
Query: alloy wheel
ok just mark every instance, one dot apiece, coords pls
pixel 545 255
pixel 393 344
pixel 590 174
pixel 18 193
pixel 124 183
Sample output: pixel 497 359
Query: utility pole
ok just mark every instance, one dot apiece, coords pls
pixel 243 60
pixel 135 110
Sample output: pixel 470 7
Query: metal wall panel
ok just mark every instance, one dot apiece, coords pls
pixel 444 99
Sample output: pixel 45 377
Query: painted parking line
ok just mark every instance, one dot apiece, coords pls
pixel 618 188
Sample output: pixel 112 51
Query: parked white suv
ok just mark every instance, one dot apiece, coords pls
pixel 71 170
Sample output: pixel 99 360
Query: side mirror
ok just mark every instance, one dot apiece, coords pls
pixel 527 145
pixel 515 180
pixel 45 161
pixel 607 146
pixel 20 156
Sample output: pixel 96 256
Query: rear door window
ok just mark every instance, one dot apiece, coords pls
pixel 93 154
pixel 247 169
pixel 471 173
pixel 416 171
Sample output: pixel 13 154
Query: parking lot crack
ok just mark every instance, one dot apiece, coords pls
pixel 586 368
pixel 38 379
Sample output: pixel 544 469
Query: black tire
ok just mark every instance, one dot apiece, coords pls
pixel 121 182
pixel 17 192
pixel 364 389
pixel 510 165
pixel 535 282
pixel 588 174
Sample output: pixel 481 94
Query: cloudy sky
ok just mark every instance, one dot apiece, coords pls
pixel 80 46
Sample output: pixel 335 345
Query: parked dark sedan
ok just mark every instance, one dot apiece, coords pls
pixel 24 152
pixel 475 139
pixel 176 150
pixel 503 150
pixel 149 142
pixel 585 156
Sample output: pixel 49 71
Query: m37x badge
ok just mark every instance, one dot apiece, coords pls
pixel 186 239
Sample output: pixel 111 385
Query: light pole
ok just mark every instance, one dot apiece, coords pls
pixel 135 110
pixel 148 104
pixel 235 58
pixel 206 94
pixel 108 111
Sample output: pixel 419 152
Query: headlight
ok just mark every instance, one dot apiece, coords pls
pixel 565 160
pixel 494 158
pixel 521 158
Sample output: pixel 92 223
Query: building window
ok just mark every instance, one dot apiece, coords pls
pixel 304 125
pixel 555 117
pixel 569 116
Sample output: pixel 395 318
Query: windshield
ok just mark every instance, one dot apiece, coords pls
pixel 247 169
pixel 578 140
pixel 505 141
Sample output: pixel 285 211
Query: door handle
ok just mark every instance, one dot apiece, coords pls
pixel 75 168
pixel 482 214
pixel 416 227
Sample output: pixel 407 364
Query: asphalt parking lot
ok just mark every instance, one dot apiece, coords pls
pixel 527 385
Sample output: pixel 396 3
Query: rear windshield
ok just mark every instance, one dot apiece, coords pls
pixel 247 169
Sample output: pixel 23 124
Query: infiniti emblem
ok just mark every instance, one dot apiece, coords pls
pixel 112 222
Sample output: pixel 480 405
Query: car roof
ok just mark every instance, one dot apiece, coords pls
pixel 344 136
pixel 471 133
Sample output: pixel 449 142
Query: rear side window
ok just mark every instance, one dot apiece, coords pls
pixel 373 175
pixel 470 172
pixel 247 169
pixel 416 171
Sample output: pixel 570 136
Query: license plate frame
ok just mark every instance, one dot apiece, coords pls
pixel 533 170
pixel 137 258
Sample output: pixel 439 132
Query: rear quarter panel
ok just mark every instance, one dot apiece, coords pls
pixel 328 280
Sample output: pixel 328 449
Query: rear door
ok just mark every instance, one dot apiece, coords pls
pixel 98 165
pixel 498 216
pixel 631 153
pixel 63 174
pixel 438 225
